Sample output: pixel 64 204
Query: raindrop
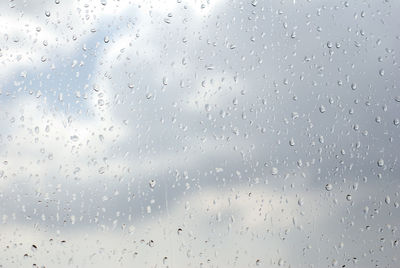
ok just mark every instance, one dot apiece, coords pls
pixel 348 197
pixel 291 142
pixel 152 183
pixel 102 170
pixel 380 162
pixel 328 187
pixel 387 200
pixel 274 171
pixel 322 109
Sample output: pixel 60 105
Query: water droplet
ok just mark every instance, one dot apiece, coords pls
pixel 380 163
pixel 33 248
pixel 152 183
pixel 57 2
pixel 102 170
pixel 106 39
pixel 149 95
pixel 165 81
pixel 322 109
pixel 353 86
pixel 329 44
pixel 274 171
pixel 254 3
pixel 179 231
pixel 396 121
pixel 47 13
pixel 348 197
pixel 381 72
pixel 291 142
pixel 74 138
pixel 387 200
pixel 300 202
pixel 258 262
pixel 328 187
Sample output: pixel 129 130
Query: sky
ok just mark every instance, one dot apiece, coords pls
pixel 199 133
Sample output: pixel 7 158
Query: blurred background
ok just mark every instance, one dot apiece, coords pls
pixel 190 133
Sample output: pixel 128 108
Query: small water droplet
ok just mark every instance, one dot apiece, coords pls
pixel 348 197
pixel 300 202
pixel 328 187
pixel 322 109
pixel 291 142
pixel 102 170
pixel 47 13
pixel 74 138
pixel 274 171
pixel 152 183
pixel 387 200
pixel 380 163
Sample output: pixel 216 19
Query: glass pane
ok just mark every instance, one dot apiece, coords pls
pixel 199 133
